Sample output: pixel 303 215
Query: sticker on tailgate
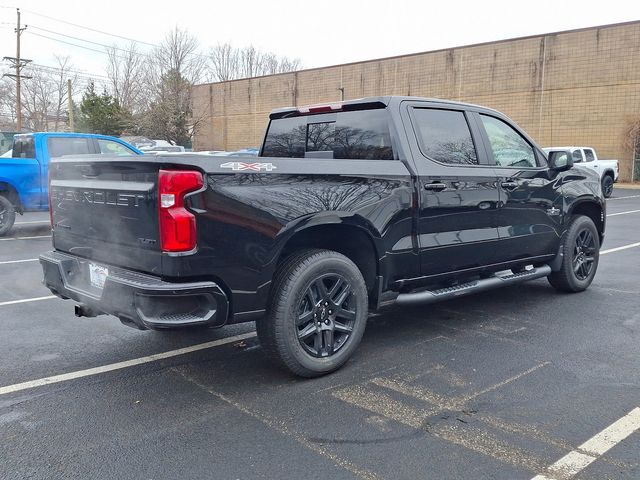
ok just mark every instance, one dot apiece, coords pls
pixel 98 275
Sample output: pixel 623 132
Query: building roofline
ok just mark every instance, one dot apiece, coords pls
pixel 415 54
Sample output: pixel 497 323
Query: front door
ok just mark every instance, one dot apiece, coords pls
pixel 457 222
pixel 531 207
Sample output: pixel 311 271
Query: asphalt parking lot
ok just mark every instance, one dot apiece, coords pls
pixel 513 384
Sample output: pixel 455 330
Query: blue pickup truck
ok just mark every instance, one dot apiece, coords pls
pixel 23 175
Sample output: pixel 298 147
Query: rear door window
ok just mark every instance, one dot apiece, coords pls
pixel 444 136
pixel 358 135
pixel 109 147
pixel 588 155
pixel 24 147
pixel 59 146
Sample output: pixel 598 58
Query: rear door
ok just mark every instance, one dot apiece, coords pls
pixel 589 161
pixel 457 224
pixel 531 207
pixel 23 171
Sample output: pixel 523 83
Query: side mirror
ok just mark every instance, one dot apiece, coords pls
pixel 560 160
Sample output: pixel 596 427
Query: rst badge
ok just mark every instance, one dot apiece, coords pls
pixel 553 211
pixel 252 167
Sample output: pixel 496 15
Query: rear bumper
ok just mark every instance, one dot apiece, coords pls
pixel 138 300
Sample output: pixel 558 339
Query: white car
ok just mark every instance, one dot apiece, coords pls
pixel 586 157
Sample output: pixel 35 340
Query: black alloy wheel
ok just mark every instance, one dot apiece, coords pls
pixel 584 254
pixel 607 186
pixel 7 215
pixel 326 315
pixel 580 254
pixel 317 312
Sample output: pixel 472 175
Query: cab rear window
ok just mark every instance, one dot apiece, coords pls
pixel 358 135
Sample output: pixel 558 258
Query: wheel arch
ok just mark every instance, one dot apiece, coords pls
pixel 348 234
pixel 11 193
pixel 593 210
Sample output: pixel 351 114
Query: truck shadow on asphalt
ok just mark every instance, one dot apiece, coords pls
pixel 460 374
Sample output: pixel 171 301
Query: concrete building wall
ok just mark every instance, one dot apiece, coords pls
pixel 578 87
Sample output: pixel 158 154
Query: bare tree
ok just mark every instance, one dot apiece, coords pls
pixel 60 80
pixel 229 63
pixel 38 99
pixel 178 52
pixel 7 103
pixel 125 70
pixel 173 68
pixel 224 62
pixel 44 96
pixel 250 62
pixel 632 141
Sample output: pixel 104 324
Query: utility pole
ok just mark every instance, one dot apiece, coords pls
pixel 70 106
pixel 18 63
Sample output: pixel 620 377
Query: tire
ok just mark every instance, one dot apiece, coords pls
pixel 581 253
pixel 607 186
pixel 7 215
pixel 308 329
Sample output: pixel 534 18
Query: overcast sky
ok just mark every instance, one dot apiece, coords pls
pixel 320 33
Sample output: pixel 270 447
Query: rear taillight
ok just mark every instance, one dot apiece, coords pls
pixel 177 224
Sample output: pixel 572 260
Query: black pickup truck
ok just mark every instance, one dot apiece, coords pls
pixel 349 207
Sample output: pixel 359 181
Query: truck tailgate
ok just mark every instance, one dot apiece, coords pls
pixel 107 211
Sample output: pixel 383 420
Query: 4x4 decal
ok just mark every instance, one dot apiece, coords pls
pixel 256 167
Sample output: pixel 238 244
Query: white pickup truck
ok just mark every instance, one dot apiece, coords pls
pixel 586 157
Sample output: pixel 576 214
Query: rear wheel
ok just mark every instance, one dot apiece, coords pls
pixel 7 215
pixel 581 253
pixel 607 186
pixel 317 313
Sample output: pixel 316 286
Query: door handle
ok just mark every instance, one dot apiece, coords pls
pixel 435 186
pixel 509 185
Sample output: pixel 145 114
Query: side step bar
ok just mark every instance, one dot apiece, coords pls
pixel 430 296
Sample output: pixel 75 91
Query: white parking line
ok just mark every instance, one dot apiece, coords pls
pixel 32 222
pixel 26 300
pixel 120 365
pixel 592 449
pixel 7 262
pixel 622 198
pixel 622 213
pixel 24 238
pixel 617 249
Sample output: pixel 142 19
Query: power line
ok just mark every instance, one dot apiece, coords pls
pixel 103 33
pixel 88 41
pixel 73 44
pixel 70 70
pixel 92 29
